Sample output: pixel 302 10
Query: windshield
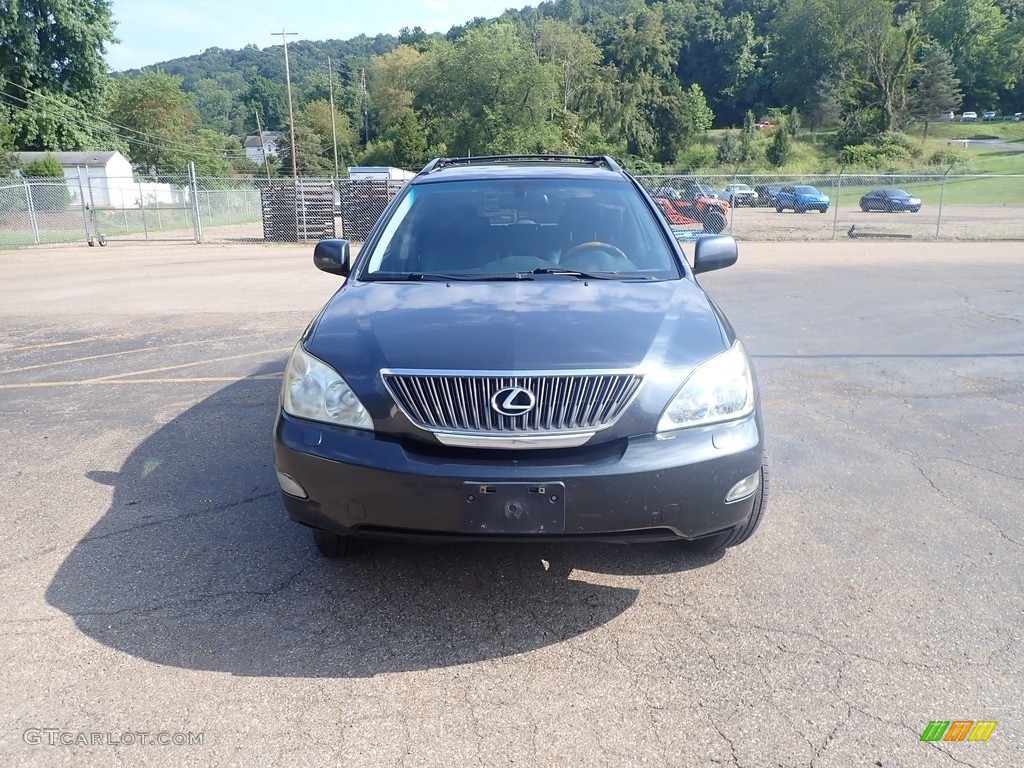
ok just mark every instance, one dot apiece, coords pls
pixel 806 190
pixel 520 228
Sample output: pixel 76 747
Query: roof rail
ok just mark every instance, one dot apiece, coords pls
pixel 446 162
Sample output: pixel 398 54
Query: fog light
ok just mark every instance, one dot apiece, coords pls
pixel 743 488
pixel 289 486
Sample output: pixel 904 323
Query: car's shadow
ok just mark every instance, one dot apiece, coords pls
pixel 195 565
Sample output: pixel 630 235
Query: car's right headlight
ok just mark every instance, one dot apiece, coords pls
pixel 313 390
pixel 719 389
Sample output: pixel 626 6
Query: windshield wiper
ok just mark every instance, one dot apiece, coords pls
pixel 591 275
pixel 441 277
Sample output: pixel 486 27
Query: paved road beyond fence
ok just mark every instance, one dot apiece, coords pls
pixel 195 209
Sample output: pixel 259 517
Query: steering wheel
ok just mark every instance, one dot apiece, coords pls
pixel 596 245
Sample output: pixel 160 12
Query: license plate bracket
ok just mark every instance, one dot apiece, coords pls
pixel 537 508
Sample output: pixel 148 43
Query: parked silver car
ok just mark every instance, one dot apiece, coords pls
pixel 740 194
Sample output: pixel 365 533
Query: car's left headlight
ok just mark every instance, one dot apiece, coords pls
pixel 313 390
pixel 720 389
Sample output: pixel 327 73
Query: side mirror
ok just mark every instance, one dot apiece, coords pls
pixel 714 252
pixel 334 256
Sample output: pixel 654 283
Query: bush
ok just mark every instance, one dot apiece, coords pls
pixel 640 166
pixel 51 196
pixel 44 168
pixel 8 162
pixel 781 148
pixel 949 157
pixel 896 139
pixel 859 155
pixel 695 157
pixel 892 150
pixel 894 145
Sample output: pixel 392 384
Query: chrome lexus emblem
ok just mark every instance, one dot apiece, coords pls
pixel 513 401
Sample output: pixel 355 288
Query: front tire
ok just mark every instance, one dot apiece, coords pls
pixel 742 532
pixel 714 221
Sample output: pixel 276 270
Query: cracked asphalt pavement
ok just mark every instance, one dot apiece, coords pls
pixel 150 582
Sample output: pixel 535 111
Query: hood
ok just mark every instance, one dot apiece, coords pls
pixel 550 324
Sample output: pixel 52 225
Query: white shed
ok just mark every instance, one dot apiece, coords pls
pixel 105 178
pixel 378 173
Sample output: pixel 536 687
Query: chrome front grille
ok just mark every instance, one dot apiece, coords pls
pixel 460 402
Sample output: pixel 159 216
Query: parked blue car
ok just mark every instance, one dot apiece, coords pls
pixel 800 199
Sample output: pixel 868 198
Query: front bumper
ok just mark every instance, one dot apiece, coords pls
pixel 638 489
pixel 812 205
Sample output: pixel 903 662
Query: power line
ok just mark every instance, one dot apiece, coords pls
pixel 103 125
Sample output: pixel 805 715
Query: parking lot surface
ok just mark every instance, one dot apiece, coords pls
pixel 158 608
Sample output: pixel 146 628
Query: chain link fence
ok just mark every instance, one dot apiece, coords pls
pixel 193 209
pixel 935 207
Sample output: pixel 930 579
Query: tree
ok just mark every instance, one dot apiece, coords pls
pixel 310 154
pixel 781 147
pixel 823 102
pixel 8 161
pixel 267 99
pixel 937 88
pixel 410 142
pixel 793 122
pixel 889 56
pixel 316 117
pixel 487 93
pixel 576 57
pixel 214 105
pixel 1013 9
pixel 974 32
pixel 645 104
pixel 157 119
pixel 54 72
pixel 807 39
pixel 722 54
pixel 414 38
pixel 213 152
pixel 394 80
pixel 747 137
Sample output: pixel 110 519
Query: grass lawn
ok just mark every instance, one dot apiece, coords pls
pixel 990 148
pixel 960 190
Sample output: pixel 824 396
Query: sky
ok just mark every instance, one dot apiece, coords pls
pixel 152 31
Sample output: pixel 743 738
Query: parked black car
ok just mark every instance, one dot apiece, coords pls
pixel 520 351
pixel 890 200
pixel 767 194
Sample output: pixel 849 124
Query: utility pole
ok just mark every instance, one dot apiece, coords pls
pixel 363 106
pixel 263 147
pixel 291 115
pixel 334 131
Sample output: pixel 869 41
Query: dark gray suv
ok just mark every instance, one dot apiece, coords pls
pixel 520 351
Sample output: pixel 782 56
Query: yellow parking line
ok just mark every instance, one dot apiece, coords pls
pixel 125 352
pixel 206 361
pixel 49 344
pixel 188 380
